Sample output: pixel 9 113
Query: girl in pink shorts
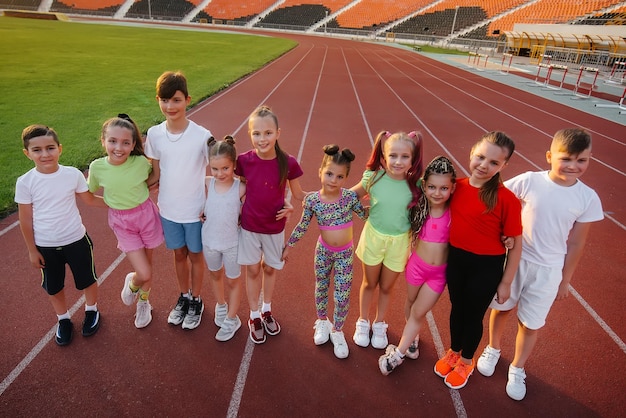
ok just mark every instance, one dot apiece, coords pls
pixel 133 216
pixel 426 268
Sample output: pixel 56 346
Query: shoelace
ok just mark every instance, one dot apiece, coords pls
pixel 462 369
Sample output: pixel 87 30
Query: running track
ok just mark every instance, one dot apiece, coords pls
pixel 330 91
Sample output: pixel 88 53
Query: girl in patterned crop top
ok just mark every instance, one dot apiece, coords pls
pixel 426 268
pixel 332 206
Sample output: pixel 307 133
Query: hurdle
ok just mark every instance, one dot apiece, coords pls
pixel 473 60
pixel 618 73
pixel 506 68
pixel 540 80
pixel 586 81
pixel 555 84
pixel 620 105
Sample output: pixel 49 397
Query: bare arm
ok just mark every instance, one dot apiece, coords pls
pixel 155 174
pixel 26 226
pixel 92 199
pixel 512 262
pixel 296 189
pixel 359 189
pixel 575 246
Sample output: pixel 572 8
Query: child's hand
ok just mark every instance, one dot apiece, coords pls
pixel 503 292
pixel 285 253
pixel 36 259
pixel 202 217
pixel 563 292
pixel 509 242
pixel 285 212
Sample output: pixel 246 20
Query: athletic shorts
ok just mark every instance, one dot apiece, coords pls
pixel 418 272
pixel 78 255
pixel 179 235
pixel 375 248
pixel 255 247
pixel 533 290
pixel 215 259
pixel 137 228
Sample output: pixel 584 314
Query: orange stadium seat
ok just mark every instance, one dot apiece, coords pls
pixel 93 4
pixel 229 9
pixel 374 12
pixel 549 11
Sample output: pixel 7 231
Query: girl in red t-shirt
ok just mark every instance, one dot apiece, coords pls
pixel 479 267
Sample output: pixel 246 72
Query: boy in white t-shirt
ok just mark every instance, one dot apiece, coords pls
pixel 557 212
pixel 178 149
pixel 53 229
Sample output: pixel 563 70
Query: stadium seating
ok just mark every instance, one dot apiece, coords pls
pixel 96 7
pixel 20 4
pixel 549 11
pixel 440 23
pixel 236 10
pixel 161 9
pixel 374 13
pixel 301 16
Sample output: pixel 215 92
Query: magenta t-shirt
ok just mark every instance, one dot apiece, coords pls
pixel 264 195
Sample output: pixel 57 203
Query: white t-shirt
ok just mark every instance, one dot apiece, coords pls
pixel 220 230
pixel 56 220
pixel 182 160
pixel 549 212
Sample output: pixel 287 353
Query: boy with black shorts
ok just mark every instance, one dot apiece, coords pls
pixel 53 229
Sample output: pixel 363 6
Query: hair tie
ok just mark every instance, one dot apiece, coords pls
pixel 125 117
pixel 412 134
pixel 387 134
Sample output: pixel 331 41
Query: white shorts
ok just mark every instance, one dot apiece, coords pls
pixel 533 290
pixel 255 247
pixel 215 259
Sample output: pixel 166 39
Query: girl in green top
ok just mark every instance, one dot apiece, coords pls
pixel 390 180
pixel 133 217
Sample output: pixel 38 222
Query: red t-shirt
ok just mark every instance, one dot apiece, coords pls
pixel 474 229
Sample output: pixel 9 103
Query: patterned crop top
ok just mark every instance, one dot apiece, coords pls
pixel 330 215
pixel 436 229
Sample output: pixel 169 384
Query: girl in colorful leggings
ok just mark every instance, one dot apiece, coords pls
pixel 332 206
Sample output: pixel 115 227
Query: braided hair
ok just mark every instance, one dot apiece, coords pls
pixel 419 212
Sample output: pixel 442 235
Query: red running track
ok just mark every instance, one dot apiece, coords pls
pixel 330 91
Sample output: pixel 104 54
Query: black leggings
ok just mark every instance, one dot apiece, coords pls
pixel 472 283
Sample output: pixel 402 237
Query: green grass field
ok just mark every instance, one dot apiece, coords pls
pixel 73 76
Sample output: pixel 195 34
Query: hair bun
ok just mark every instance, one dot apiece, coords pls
pixel 331 149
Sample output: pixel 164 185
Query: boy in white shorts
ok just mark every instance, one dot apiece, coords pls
pixel 557 211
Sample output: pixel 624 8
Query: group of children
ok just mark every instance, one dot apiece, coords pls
pixel 437 229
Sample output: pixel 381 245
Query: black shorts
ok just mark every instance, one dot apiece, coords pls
pixel 78 255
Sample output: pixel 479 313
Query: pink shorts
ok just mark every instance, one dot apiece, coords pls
pixel 419 272
pixel 137 228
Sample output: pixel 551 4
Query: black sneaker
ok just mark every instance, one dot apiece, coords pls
pixel 177 316
pixel 64 332
pixel 91 323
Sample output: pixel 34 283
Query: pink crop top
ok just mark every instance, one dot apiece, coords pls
pixel 436 229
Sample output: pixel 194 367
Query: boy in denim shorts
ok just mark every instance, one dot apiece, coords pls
pixel 179 156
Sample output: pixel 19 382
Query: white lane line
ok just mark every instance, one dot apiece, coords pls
pixel 242 374
pixel 50 334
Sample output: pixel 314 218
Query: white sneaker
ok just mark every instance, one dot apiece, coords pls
pixel 340 344
pixel 516 385
pixel 228 329
pixel 390 360
pixel 413 351
pixel 143 316
pixel 322 329
pixel 362 333
pixel 487 361
pixel 221 311
pixel 379 335
pixel 128 297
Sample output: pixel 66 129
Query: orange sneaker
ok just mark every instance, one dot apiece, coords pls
pixel 446 364
pixel 458 377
